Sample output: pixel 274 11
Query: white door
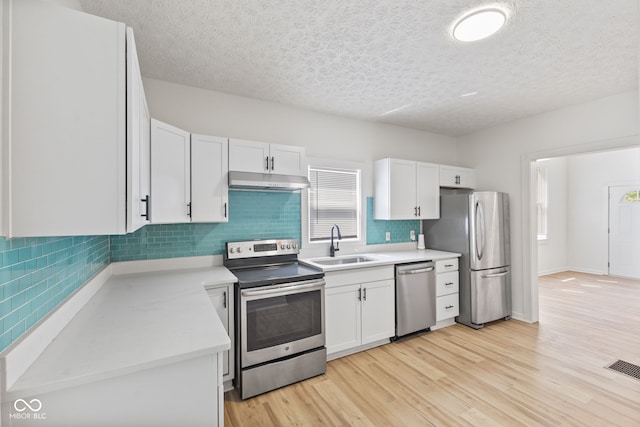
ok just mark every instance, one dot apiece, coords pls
pixel 342 318
pixel 378 311
pixel 170 174
pixel 220 300
pixel 138 143
pixel 287 160
pixel 209 184
pixel 428 190
pixel 249 156
pixel 624 231
pixel 403 189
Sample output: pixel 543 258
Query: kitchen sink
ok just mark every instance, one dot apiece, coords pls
pixel 341 261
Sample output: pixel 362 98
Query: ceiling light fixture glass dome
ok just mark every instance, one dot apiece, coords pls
pixel 479 24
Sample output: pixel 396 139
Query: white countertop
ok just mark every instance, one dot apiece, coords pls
pixel 135 321
pixel 380 258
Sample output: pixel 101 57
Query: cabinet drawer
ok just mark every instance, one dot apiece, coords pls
pixel 447 307
pixel 447 283
pixel 446 265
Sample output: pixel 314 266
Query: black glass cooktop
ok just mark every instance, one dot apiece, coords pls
pixel 275 274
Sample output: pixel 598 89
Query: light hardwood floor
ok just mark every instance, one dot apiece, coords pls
pixel 507 374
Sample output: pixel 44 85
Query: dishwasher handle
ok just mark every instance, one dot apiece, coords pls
pixel 417 271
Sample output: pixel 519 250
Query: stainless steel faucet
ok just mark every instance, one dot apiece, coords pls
pixel 332 249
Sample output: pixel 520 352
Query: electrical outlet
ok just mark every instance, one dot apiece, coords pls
pixel 412 235
pixel 387 236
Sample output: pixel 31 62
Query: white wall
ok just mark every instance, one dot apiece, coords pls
pixel 552 252
pixel 589 176
pixel 323 135
pixel 502 157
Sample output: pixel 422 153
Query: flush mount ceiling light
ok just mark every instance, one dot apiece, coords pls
pixel 479 24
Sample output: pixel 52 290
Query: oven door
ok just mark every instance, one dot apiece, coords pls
pixel 281 320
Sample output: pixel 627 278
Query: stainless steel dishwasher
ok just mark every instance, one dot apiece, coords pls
pixel 415 297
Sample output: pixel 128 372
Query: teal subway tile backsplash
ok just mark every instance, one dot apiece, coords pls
pixel 37 274
pixel 252 215
pixel 399 229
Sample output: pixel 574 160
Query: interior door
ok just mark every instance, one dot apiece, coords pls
pixel 624 231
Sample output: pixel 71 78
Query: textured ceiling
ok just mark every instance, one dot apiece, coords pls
pixel 362 58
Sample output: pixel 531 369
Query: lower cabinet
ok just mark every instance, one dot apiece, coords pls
pixel 359 309
pixel 447 287
pixel 222 299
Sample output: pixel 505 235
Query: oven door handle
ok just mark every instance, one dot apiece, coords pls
pixel 316 284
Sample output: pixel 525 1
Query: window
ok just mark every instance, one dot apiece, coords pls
pixel 541 203
pixel 334 198
pixel 631 197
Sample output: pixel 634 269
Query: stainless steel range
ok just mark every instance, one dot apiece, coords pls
pixel 280 332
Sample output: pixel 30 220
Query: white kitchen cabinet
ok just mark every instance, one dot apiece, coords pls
pixel 447 288
pixel 405 189
pixel 170 174
pixel 261 157
pixel 209 183
pixel 222 299
pixel 188 176
pixel 457 177
pixel 66 122
pixel 138 144
pixel 360 309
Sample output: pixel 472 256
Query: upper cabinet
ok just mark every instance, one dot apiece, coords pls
pixel 67 128
pixel 406 189
pixel 188 176
pixel 457 177
pixel 261 157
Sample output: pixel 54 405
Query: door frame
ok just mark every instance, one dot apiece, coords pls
pixel 529 224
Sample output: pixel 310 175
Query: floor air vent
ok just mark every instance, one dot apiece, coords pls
pixel 626 368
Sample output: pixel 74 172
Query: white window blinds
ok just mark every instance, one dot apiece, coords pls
pixel 334 198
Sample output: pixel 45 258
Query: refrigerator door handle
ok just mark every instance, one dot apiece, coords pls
pixel 479 231
pixel 488 276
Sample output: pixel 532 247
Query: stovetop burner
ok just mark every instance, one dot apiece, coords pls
pixel 267 262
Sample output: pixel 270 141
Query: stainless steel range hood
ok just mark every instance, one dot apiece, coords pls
pixel 267 181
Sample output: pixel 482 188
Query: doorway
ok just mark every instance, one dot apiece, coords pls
pixel 624 231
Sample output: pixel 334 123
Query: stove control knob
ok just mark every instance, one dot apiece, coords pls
pixel 282 246
pixel 239 250
pixel 231 250
pixel 288 246
pixel 294 246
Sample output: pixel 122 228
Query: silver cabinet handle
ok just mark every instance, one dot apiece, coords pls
pixel 224 299
pixel 449 306
pixel 267 159
pixel 359 294
pixel 448 284
pixel 418 271
pixel 364 294
pixel 273 162
pixel 488 276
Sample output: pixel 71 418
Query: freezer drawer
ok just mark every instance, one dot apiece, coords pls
pixel 490 295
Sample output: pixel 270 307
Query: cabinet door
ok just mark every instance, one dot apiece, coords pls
pixel 209 184
pixel 65 133
pixel 170 174
pixel 378 311
pixel 428 190
pixel 248 156
pixel 138 143
pixel 455 177
pixel 220 298
pixel 402 189
pixel 342 318
pixel 287 160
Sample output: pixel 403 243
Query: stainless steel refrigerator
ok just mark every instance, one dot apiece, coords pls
pixel 476 224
